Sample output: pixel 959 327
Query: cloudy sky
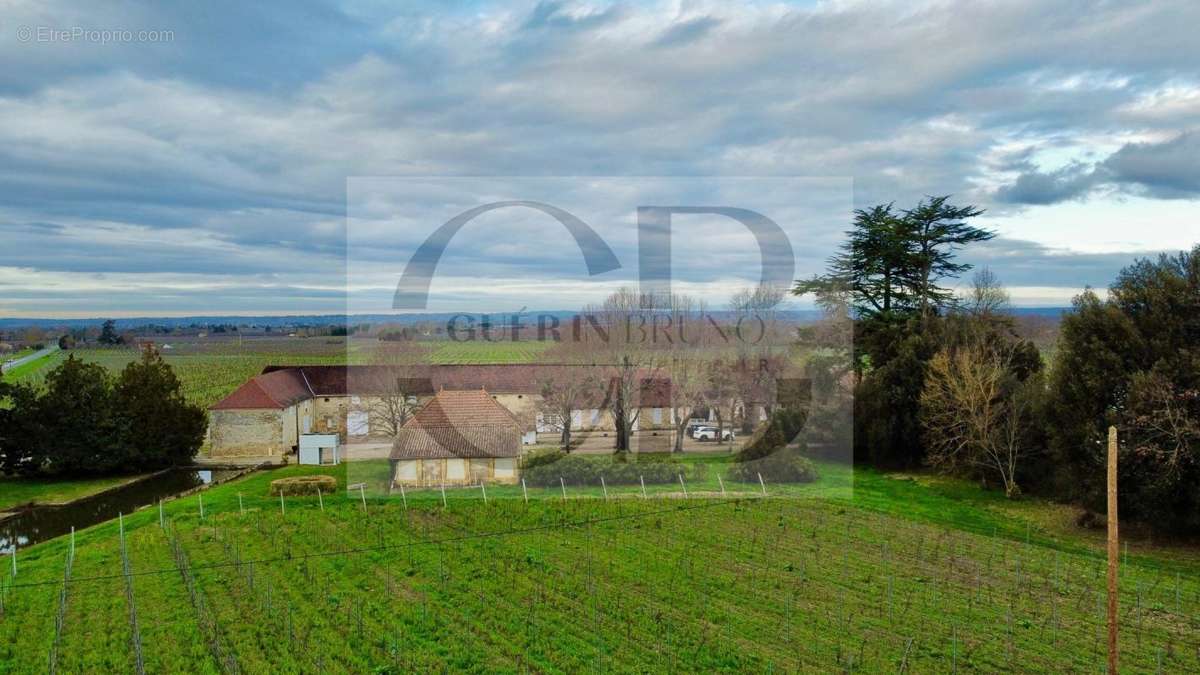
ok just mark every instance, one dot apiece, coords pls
pixel 206 160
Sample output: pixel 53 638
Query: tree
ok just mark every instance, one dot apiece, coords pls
pixel 389 410
pixel 974 411
pixel 108 333
pixel 78 420
pixel 22 434
pixel 564 390
pixel 936 230
pixel 622 344
pixel 876 264
pixel 157 427
pixel 1133 360
pixel 66 342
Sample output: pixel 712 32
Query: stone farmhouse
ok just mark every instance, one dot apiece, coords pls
pixel 458 437
pixel 265 416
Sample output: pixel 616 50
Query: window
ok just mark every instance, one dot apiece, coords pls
pixel 595 417
pixel 656 415
pixel 331 423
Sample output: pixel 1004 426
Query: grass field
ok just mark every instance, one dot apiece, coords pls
pixel 211 369
pixel 884 581
pixel 17 491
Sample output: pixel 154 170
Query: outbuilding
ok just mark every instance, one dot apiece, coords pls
pixel 319 449
pixel 458 438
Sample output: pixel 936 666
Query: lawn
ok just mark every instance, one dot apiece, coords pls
pixel 18 491
pixel 806 579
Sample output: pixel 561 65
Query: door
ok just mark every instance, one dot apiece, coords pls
pixel 431 472
pixel 306 425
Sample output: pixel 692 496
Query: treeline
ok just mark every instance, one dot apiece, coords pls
pixel 83 421
pixel 944 380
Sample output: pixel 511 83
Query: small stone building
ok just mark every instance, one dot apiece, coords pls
pixel 458 438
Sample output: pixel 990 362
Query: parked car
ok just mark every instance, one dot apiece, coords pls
pixel 710 434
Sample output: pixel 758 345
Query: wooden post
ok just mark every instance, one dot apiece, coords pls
pixel 201 506
pixel 403 497
pixel 443 494
pixel 685 496
pixel 483 489
pixel 160 515
pixel 722 484
pixel 282 510
pixel 524 491
pixel 642 480
pixel 14 559
pixel 362 492
pixel 605 487
pixel 1113 550
pixel 764 485
pixel 241 509
pixel 564 488
pixel 320 499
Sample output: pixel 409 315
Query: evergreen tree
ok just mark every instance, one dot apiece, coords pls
pixel 156 426
pixel 77 418
pixel 1133 360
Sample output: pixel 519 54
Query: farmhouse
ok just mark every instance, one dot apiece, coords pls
pixel 267 415
pixel 458 437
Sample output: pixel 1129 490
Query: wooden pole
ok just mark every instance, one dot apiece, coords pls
pixel 1113 550
pixel 362 492
pixel 320 499
pixel 524 491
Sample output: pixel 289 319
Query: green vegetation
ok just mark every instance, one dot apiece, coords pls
pixel 85 422
pixel 624 584
pixel 480 351
pixel 18 491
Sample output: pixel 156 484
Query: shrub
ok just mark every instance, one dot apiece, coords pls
pixel 547 469
pixel 786 465
pixel 784 426
pixel 303 485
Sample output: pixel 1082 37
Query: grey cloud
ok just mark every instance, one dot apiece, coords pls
pixel 1167 170
pixel 687 31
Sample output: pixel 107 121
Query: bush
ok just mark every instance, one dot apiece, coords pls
pixel 545 470
pixel 783 428
pixel 303 485
pixel 784 466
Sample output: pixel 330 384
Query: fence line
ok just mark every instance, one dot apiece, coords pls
pixel 135 635
pixel 61 615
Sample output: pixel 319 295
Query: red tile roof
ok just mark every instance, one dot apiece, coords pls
pixel 462 423
pixel 274 390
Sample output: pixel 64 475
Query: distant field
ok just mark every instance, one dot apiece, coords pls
pixel 210 368
pixel 487 352
pixel 629 584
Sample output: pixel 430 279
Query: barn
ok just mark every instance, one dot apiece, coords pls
pixel 458 438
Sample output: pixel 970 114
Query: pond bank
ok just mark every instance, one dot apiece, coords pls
pixel 32 524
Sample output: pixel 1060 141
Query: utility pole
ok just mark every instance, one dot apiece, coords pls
pixel 1113 550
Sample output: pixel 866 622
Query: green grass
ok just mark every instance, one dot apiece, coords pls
pixel 479 351
pixel 18 491
pixel 902 575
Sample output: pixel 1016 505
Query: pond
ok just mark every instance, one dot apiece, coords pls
pixel 40 523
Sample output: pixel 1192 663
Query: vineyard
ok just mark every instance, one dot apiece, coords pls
pixel 566 583
pixel 211 369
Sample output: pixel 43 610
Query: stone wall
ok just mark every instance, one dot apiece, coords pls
pixel 246 433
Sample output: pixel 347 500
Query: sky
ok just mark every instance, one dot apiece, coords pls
pixel 167 159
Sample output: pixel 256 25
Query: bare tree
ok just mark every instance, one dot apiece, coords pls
pixel 973 410
pixel 988 297
pixel 624 342
pixel 564 390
